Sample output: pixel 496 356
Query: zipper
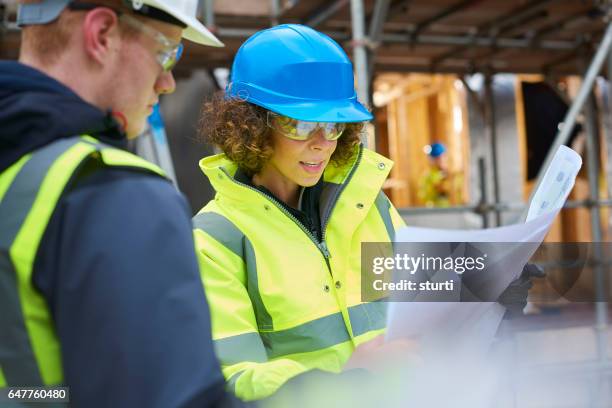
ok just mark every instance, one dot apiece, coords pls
pixel 321 246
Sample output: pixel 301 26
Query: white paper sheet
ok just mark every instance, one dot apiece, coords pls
pixel 471 327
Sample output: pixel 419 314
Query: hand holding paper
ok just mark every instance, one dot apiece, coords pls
pixel 475 324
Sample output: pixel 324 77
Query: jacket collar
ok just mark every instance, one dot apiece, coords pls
pixel 362 178
pixel 36 110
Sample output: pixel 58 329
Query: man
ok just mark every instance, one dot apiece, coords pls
pixel 99 284
pixel 438 186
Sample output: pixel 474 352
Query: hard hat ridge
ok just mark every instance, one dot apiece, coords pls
pixel 298 72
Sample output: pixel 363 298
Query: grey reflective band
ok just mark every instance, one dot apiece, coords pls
pixel 16 355
pixel 314 335
pixel 383 206
pixel 264 320
pixel 241 348
pixel 17 359
pixel 43 12
pixel 222 230
pixel 367 317
pixel 20 196
pixel 227 234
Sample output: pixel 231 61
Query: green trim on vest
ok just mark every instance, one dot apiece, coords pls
pixel 30 190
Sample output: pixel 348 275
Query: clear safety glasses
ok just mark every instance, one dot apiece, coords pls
pixel 169 54
pixel 302 130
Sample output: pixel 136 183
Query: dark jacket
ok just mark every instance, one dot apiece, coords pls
pixel 116 264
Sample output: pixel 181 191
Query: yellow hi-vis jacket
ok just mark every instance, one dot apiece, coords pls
pixel 282 303
pixel 30 190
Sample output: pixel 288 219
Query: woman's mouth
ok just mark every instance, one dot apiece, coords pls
pixel 312 166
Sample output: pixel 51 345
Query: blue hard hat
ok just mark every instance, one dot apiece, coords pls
pixel 297 72
pixel 435 150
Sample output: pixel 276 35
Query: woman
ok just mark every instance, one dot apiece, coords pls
pixel 280 245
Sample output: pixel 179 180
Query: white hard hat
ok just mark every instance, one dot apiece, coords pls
pixel 185 11
pixel 182 11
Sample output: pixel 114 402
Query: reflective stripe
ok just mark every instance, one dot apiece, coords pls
pixel 227 234
pixel 121 158
pixel 9 174
pixel 16 354
pixel 264 320
pixel 241 348
pixel 383 206
pixel 20 196
pixel 326 331
pixel 314 335
pixel 222 230
pixel 366 317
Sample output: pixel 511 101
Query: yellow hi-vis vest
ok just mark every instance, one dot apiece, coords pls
pixel 30 190
pixel 281 303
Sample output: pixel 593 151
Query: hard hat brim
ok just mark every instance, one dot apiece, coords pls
pixel 338 111
pixel 195 31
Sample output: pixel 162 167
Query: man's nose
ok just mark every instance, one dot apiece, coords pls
pixel 165 83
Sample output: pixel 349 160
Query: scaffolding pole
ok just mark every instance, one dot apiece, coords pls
pixel 275 8
pixel 209 14
pixel 322 15
pixel 593 166
pixel 570 118
pixel 360 53
pixel 359 50
pixel 491 123
pixel 379 16
pixel 610 75
pixel 377 22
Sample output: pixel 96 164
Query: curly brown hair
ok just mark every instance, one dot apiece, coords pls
pixel 239 129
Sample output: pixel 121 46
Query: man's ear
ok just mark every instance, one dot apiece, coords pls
pixel 101 33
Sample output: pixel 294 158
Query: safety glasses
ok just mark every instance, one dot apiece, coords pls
pixel 169 54
pixel 302 130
